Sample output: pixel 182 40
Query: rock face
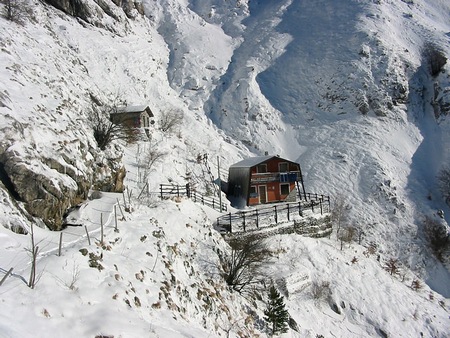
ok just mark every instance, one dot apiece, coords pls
pixel 48 187
pixel 441 100
pixel 92 10
pixel 72 7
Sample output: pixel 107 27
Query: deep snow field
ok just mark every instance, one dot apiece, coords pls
pixel 284 77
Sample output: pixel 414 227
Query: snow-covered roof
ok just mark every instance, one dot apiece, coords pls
pixel 132 109
pixel 251 161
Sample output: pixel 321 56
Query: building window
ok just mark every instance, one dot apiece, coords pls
pixel 261 168
pixel 253 191
pixel 283 167
pixel 284 189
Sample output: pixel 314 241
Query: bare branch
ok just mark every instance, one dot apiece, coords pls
pixel 243 267
pixel 16 10
pixel 170 120
pixel 106 131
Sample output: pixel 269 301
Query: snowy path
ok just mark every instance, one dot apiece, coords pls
pixel 90 214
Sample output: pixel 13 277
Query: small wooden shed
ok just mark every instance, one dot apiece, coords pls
pixel 264 179
pixel 133 116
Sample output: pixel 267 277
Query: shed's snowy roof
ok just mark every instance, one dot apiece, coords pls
pixel 251 161
pixel 132 109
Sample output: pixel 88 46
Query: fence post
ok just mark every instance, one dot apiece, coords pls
pixel 120 208
pixel 87 234
pixel 188 191
pixel 257 219
pixel 288 213
pixel 312 206
pixel 300 209
pixel 230 222
pixel 60 244
pixel 161 189
pixel 276 214
pixel 101 228
pixel 6 276
pixel 213 204
pixel 115 219
pixel 321 210
pixel 178 190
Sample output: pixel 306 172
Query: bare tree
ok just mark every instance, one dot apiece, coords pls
pixel 339 213
pixel 320 290
pixel 105 130
pixel 243 267
pixel 152 156
pixel 170 120
pixel 15 10
pixel 346 235
pixel 33 250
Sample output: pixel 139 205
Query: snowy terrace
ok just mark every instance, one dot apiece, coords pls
pixel 310 215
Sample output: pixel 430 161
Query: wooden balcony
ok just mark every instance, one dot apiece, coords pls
pixel 288 177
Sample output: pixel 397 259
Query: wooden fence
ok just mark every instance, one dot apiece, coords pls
pixel 169 190
pixel 266 216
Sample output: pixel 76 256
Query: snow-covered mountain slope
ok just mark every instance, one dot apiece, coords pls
pixel 342 87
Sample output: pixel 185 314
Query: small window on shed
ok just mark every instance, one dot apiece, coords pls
pixel 262 168
pixel 283 167
pixel 253 191
pixel 284 189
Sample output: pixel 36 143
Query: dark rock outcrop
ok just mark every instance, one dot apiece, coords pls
pixel 48 187
pixel 77 8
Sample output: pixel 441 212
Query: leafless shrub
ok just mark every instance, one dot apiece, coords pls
pixel 16 10
pixel 371 249
pixel 33 250
pixel 320 290
pixel 346 235
pixel 152 156
pixel 170 120
pixel 243 267
pixel 71 283
pixel 434 58
pixel 416 285
pixel 339 213
pixel 392 266
pixel 106 131
pixel 444 183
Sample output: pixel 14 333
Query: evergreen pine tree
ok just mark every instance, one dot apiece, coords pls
pixel 275 314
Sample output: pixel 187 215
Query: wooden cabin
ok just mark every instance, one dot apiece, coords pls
pixel 264 179
pixel 133 116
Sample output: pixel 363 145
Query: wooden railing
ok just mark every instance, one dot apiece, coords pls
pixel 170 190
pixel 281 212
pixel 291 176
